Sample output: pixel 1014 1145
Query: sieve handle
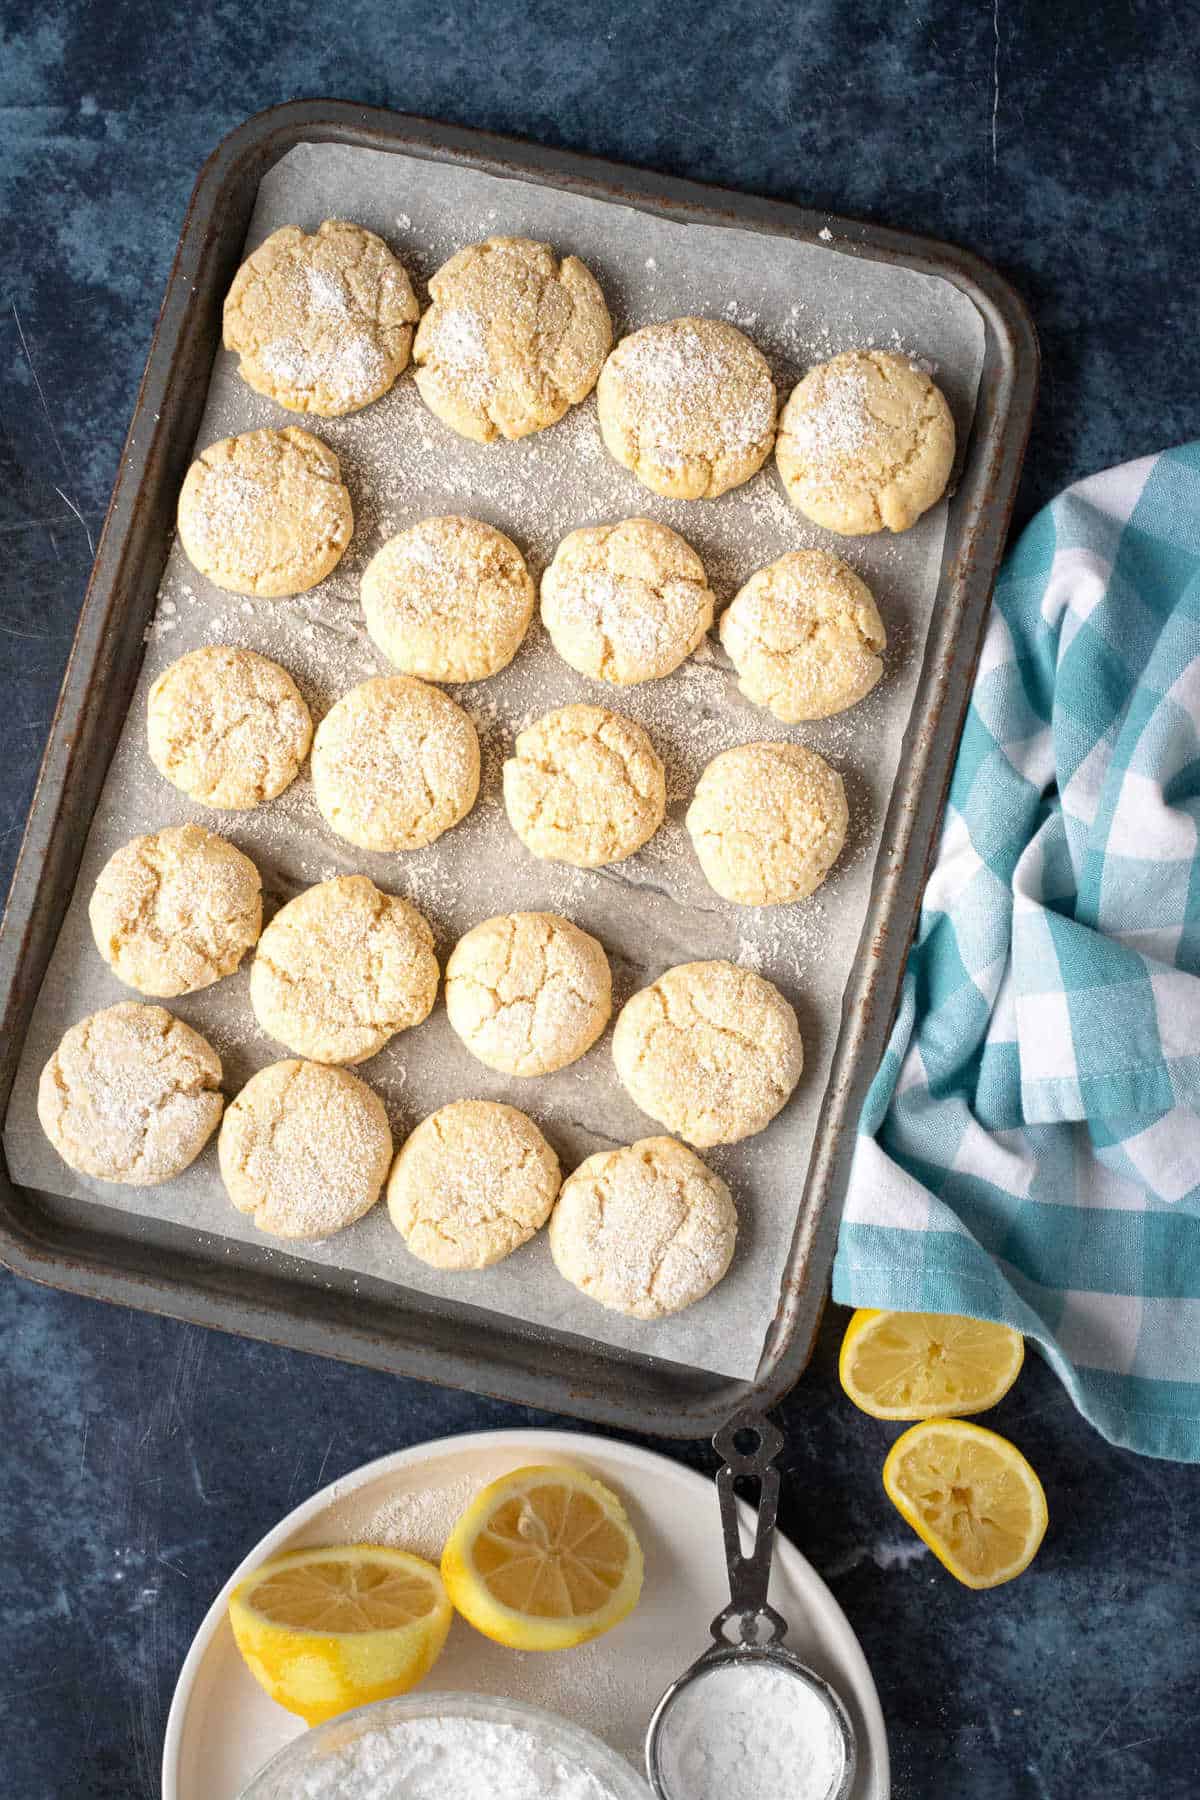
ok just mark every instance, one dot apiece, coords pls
pixel 748 1611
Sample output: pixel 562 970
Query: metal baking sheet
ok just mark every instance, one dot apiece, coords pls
pixel 801 297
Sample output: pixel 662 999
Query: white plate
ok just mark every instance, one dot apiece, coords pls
pixel 222 1727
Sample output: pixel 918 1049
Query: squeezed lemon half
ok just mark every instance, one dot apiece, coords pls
pixel 543 1559
pixel 971 1496
pixel 324 1630
pixel 921 1365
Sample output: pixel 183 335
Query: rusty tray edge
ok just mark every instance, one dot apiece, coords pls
pixel 79 1248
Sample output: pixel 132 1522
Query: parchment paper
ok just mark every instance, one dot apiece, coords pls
pixel 800 303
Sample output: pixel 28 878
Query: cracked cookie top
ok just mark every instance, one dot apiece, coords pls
pixel 227 726
pixel 304 1149
pixel 322 323
pixel 528 992
pixel 689 406
pixel 450 599
pixel 265 513
pixel 626 603
pixel 132 1095
pixel 512 339
pixel 645 1230
pixel 472 1184
pixel 805 636
pixel 586 786
pixel 341 969
pixel 175 911
pixel 710 1050
pixel 866 443
pixel 395 764
pixel 768 822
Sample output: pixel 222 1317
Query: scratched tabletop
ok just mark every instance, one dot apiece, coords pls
pixel 139 1459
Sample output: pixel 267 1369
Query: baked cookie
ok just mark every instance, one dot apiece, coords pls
pixel 395 764
pixel 449 599
pixel 805 637
pixel 132 1094
pixel 341 969
pixel 866 441
pixel 586 786
pixel 472 1184
pixel 768 822
pixel 513 337
pixel 645 1230
pixel 322 323
pixel 711 1050
pixel 304 1149
pixel 265 513
pixel 689 406
pixel 626 603
pixel 528 993
pixel 175 911
pixel 228 727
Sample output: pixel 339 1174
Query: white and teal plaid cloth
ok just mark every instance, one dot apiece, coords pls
pixel 1030 1148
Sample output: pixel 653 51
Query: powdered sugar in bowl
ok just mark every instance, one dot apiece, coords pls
pixel 755 1723
pixel 447 1747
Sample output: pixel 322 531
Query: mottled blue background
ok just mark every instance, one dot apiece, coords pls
pixel 142 1458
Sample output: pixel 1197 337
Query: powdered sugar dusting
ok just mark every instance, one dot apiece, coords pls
pixel 326 291
pixel 834 429
pixel 421 1519
pixel 323 322
pixel 647 1229
pixel 685 387
pixel 305 1149
pixel 347 364
pixel 130 1095
pixel 230 506
pixel 459 345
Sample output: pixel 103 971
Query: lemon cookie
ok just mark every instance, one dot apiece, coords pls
pixel 304 1149
pixel 528 992
pixel 341 969
pixel 626 603
pixel 711 1050
pixel 132 1094
pixel 866 441
pixel 228 727
pixel 175 911
pixel 322 323
pixel 512 339
pixel 805 637
pixel 586 786
pixel 395 764
pixel 645 1230
pixel 689 406
pixel 472 1184
pixel 768 822
pixel 265 513
pixel 449 599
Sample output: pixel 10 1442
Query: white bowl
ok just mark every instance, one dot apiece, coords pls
pixel 302 1760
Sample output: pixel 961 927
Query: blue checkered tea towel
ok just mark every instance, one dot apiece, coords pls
pixel 1030 1148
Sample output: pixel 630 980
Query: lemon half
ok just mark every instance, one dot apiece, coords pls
pixel 543 1559
pixel 921 1365
pixel 325 1630
pixel 971 1496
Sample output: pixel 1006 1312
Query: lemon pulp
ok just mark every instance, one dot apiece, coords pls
pixel 971 1496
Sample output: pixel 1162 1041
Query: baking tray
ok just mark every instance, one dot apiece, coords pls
pixel 259 1292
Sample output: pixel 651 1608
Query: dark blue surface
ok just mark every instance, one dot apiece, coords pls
pixel 141 1458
